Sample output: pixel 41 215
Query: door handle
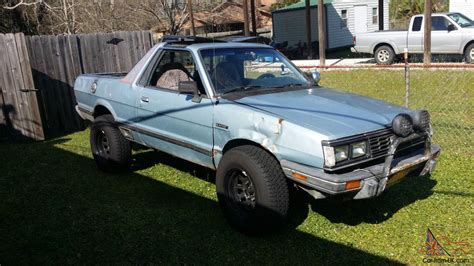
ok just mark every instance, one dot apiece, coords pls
pixel 145 99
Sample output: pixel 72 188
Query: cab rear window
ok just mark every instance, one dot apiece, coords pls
pixel 417 24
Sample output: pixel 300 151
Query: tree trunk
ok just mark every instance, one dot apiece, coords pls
pixel 246 17
pixel 308 28
pixel 427 34
pixel 254 19
pixel 321 33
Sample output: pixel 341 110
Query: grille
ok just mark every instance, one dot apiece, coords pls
pixel 410 146
pixel 380 142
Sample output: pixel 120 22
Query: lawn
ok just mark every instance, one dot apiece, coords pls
pixel 56 207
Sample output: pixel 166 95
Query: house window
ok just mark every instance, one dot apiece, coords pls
pixel 344 18
pixel 375 15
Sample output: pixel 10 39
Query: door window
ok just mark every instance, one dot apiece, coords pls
pixel 173 67
pixel 439 24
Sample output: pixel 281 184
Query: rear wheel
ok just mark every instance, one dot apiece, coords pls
pixel 469 54
pixel 111 151
pixel 384 55
pixel 252 190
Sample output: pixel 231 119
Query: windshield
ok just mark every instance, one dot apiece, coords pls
pixel 461 20
pixel 240 69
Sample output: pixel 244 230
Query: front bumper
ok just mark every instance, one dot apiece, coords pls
pixel 373 179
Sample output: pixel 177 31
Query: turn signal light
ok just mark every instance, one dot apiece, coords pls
pixel 299 176
pixel 353 184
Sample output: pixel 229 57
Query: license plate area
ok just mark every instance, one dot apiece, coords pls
pixel 397 177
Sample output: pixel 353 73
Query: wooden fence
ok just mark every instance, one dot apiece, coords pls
pixel 20 115
pixel 54 62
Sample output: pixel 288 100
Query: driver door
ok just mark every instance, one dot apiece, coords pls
pixel 170 121
pixel 444 40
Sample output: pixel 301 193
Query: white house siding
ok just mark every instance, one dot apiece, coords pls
pixel 462 6
pixel 290 25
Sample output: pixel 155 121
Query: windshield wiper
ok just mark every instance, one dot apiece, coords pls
pixel 242 88
pixel 291 85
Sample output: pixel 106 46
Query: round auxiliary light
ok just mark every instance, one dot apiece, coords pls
pixel 402 125
pixel 421 120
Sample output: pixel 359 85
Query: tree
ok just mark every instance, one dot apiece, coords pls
pixel 405 9
pixel 78 16
pixel 169 15
pixel 402 10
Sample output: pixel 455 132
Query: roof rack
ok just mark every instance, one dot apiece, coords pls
pixel 174 39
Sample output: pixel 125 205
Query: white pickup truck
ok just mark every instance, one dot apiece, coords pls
pixel 451 33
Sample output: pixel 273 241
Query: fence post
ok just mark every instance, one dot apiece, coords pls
pixel 407 78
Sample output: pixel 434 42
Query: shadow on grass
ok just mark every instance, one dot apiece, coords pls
pixel 372 211
pixel 378 209
pixel 58 208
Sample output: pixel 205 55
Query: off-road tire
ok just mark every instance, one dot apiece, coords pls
pixel 270 188
pixel 384 55
pixel 469 54
pixel 111 151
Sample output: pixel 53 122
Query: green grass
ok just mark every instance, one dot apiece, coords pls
pixel 56 207
pixel 447 94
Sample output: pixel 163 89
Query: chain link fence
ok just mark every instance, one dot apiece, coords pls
pixel 446 92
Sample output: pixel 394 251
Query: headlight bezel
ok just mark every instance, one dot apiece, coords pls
pixel 331 158
pixel 330 153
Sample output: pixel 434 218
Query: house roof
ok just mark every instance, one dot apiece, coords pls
pixel 301 5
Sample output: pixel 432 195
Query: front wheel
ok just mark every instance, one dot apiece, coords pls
pixel 111 151
pixel 252 190
pixel 469 54
pixel 384 55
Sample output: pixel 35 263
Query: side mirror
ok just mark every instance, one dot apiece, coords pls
pixel 451 27
pixel 314 76
pixel 283 70
pixel 189 87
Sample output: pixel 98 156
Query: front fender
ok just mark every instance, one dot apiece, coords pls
pixel 285 140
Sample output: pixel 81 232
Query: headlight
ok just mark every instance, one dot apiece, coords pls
pixel 344 153
pixel 341 153
pixel 359 149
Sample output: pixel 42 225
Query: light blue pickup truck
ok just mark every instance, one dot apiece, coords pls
pixel 266 127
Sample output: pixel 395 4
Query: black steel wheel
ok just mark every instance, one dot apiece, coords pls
pixel 103 144
pixel 111 151
pixel 241 189
pixel 252 190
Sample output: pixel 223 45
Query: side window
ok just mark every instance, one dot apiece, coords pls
pixel 417 24
pixel 375 15
pixel 173 67
pixel 344 18
pixel 439 24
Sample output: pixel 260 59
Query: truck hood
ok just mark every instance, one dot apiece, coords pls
pixel 329 112
pixel 469 29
